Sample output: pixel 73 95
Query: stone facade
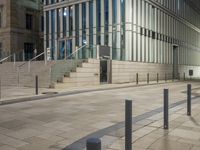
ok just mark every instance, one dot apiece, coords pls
pixel 13 30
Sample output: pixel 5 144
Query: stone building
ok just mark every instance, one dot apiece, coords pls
pixel 21 28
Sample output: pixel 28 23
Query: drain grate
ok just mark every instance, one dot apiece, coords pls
pixel 50 93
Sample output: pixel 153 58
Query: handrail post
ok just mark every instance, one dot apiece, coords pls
pixel 45 57
pixel 14 58
pixel 29 66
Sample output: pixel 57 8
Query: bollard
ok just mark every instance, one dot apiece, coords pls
pixel 166 100
pixel 128 125
pixel 165 77
pixel 36 85
pixel 157 78
pixel 93 144
pixel 137 80
pixel 189 89
pixel 147 78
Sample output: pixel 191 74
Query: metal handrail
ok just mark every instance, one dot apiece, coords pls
pixel 76 51
pixel 29 62
pixel 4 59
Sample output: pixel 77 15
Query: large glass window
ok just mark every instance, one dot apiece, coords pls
pixel 122 57
pixel 106 21
pixel 98 21
pixel 47 29
pixel 84 21
pixel 91 22
pixel 52 33
pixel 64 21
pixel 77 23
pixel 58 22
pixel 114 39
pixel 70 20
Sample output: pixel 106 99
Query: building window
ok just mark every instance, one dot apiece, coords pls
pixel 42 23
pixel 1 50
pixel 98 21
pixel 28 50
pixel 29 21
pixel 1 16
pixel 70 20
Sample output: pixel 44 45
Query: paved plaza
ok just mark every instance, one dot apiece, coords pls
pixel 65 122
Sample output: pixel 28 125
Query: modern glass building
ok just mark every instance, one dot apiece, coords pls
pixel 151 31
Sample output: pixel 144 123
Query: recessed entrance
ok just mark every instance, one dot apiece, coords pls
pixel 64 48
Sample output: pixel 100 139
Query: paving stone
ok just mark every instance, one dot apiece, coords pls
pixel 185 134
pixel 11 141
pixel 164 144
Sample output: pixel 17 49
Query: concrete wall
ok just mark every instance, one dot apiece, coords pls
pixel 124 71
pixel 185 69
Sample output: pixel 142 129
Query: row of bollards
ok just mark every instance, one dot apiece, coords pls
pixel 158 77
pixel 95 143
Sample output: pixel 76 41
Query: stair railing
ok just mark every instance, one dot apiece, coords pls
pixel 34 58
pixel 6 58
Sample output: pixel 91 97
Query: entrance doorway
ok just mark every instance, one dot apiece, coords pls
pixel 64 49
pixel 175 62
pixel 103 71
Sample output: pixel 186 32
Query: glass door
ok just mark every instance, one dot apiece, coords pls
pixel 61 51
pixel 69 48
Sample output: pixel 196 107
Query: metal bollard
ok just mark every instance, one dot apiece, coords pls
pixel 166 115
pixel 93 144
pixel 36 85
pixel 189 89
pixel 147 78
pixel 137 78
pixel 128 125
pixel 157 78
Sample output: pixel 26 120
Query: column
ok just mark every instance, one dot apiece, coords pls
pixel 87 22
pixel 95 22
pixel 67 21
pixel 73 32
pixel 102 23
pixel 118 44
pixel 61 22
pixel 45 32
pixel 134 30
pixel 128 33
pixel 56 37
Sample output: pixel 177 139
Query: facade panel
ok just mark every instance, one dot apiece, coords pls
pixel 135 30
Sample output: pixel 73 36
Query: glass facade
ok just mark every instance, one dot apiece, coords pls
pixel 135 30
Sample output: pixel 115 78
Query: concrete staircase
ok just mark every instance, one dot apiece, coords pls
pixel 86 73
pixel 12 75
pixel 56 74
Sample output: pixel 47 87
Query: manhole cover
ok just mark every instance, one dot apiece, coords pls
pixel 50 93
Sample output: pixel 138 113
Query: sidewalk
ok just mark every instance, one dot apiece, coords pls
pixel 13 94
pixel 183 133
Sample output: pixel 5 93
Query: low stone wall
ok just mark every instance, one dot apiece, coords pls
pixel 124 71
